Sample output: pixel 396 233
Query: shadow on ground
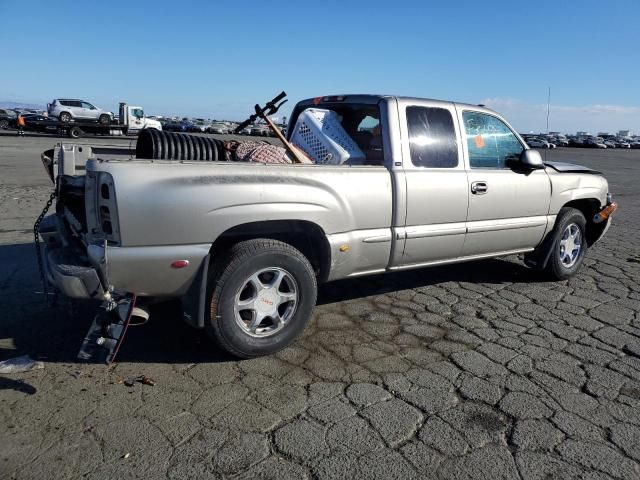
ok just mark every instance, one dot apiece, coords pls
pixel 28 326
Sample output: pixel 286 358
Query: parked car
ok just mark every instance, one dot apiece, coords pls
pixel 176 127
pixel 595 142
pixel 538 143
pixel 610 144
pixel 219 128
pixel 7 118
pixel 66 110
pixel 260 130
pixel 622 144
pixel 245 245
pixel 199 127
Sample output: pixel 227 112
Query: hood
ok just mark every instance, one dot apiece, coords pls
pixel 571 168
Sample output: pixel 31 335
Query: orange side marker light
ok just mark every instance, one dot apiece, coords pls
pixel 605 213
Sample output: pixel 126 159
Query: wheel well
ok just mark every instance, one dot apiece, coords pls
pixel 589 207
pixel 305 236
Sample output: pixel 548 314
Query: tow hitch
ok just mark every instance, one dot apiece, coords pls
pixel 107 332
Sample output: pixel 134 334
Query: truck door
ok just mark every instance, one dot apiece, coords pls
pixel 136 118
pixel 508 206
pixel 436 183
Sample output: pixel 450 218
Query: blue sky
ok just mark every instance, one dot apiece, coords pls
pixel 216 59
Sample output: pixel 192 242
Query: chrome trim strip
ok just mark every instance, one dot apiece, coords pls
pixel 506 224
pixel 378 239
pixel 442 229
pixel 462 259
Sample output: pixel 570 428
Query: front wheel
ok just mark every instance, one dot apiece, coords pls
pixel 569 244
pixel 4 124
pixel 64 117
pixel 260 297
pixel 104 119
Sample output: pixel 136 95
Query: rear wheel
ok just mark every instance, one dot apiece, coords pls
pixel 64 117
pixel 569 244
pixel 260 297
pixel 4 124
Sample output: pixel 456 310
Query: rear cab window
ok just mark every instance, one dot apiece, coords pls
pixel 432 137
pixel 360 121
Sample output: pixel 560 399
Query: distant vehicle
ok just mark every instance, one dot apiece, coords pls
pixel 634 145
pixel 622 144
pixel 7 118
pixel 538 143
pixel 40 123
pixel 595 143
pixel 129 122
pixel 219 128
pixel 177 127
pixel 610 144
pixel 198 126
pixel 134 119
pixel 246 130
pixel 260 130
pixel 66 110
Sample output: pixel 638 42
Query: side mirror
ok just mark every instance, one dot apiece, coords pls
pixel 531 159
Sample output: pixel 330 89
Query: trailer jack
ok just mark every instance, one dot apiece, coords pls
pixel 107 332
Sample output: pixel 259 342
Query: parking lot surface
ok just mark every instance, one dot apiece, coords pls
pixel 479 370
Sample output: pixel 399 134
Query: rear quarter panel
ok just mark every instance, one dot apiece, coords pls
pixel 193 203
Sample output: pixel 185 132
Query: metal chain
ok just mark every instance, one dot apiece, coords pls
pixel 36 232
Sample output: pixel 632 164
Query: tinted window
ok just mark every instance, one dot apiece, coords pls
pixel 86 105
pixel 432 137
pixel 490 142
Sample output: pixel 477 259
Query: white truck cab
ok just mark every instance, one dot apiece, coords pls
pixel 135 119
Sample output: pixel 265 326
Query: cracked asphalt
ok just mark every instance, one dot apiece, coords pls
pixel 473 371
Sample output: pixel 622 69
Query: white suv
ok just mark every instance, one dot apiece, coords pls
pixel 67 109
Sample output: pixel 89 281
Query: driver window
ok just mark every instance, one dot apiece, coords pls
pixel 490 142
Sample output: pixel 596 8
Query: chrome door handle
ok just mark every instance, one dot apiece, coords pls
pixel 479 188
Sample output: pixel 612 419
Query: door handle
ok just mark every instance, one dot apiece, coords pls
pixel 479 188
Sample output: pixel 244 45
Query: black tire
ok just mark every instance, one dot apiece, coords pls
pixel 104 119
pixel 4 124
pixel 556 268
pixel 64 117
pixel 75 132
pixel 231 273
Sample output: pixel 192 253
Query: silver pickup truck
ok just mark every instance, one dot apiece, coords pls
pixel 244 245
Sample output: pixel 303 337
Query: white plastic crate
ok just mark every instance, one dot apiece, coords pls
pixel 319 134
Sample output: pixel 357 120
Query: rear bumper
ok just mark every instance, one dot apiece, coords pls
pixel 84 272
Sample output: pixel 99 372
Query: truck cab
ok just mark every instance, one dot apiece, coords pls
pixel 135 119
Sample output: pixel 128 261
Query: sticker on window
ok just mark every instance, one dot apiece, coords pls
pixel 479 141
